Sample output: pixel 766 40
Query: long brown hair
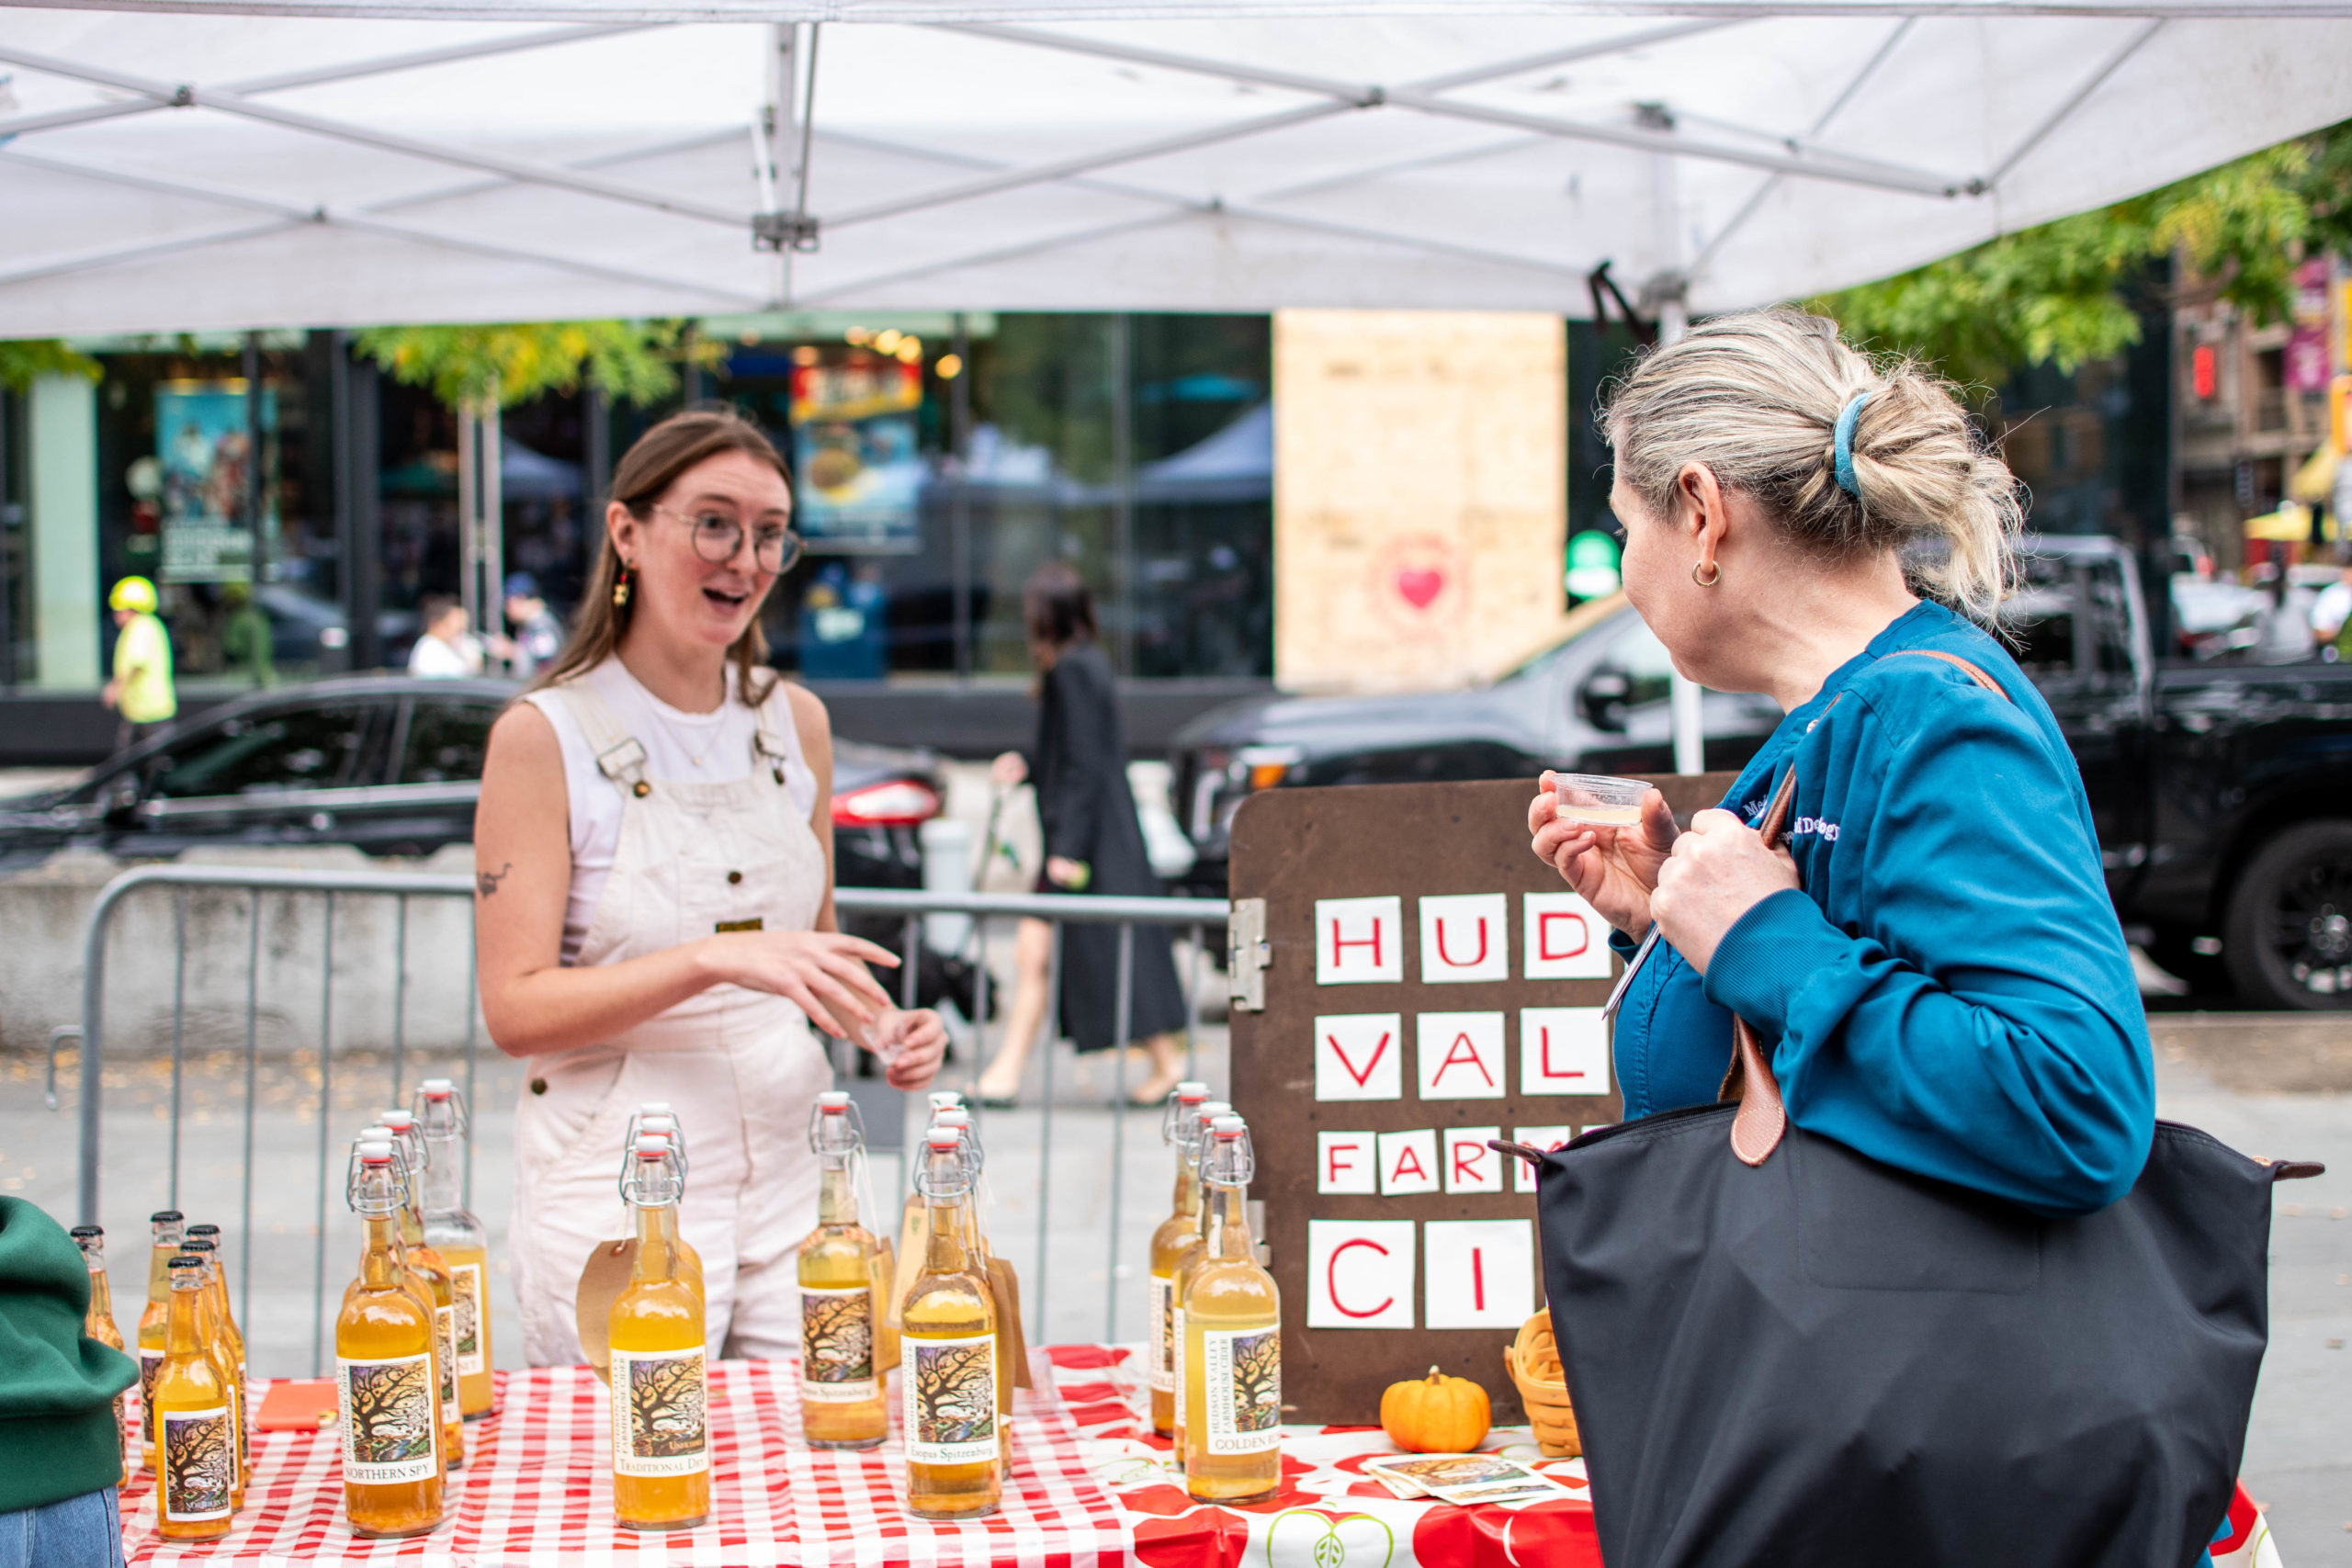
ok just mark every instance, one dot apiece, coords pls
pixel 646 470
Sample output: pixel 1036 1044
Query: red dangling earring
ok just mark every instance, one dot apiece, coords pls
pixel 620 590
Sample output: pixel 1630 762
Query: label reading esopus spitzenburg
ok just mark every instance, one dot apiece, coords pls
pixel 465 1290
pixel 837 1346
pixel 1242 1372
pixel 388 1433
pixel 198 1459
pixel 947 1393
pixel 149 1361
pixel 445 1328
pixel 1162 1329
pixel 659 1416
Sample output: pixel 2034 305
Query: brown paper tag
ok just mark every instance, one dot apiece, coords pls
pixel 1004 1289
pixel 886 1333
pixel 602 1280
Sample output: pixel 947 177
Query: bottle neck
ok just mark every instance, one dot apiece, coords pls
pixel 657 1243
pixel 184 1330
pixel 101 1289
pixel 1188 1185
pixel 379 1264
pixel 437 1185
pixel 837 1195
pixel 1229 1222
pixel 159 1274
pixel 951 1220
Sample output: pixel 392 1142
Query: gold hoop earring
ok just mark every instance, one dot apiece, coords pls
pixel 1714 569
pixel 620 590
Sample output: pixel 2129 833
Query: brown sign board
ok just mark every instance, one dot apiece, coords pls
pixel 1418 1001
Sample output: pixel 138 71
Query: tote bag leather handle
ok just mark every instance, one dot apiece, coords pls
pixel 1761 1120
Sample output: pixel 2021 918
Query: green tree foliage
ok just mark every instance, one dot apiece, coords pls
pixel 633 362
pixel 24 360
pixel 2070 290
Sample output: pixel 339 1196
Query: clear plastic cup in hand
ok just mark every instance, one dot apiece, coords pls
pixel 1598 800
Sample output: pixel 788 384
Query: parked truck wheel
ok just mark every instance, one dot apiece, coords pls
pixel 2287 940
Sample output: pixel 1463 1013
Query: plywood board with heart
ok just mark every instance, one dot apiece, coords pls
pixel 1431 985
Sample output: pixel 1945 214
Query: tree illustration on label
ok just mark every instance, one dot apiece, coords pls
pixel 150 1363
pixel 391 1410
pixel 665 1402
pixel 837 1335
pixel 468 1313
pixel 1258 1381
pixel 199 1465
pixel 954 1394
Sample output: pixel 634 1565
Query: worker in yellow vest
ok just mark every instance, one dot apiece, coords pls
pixel 142 688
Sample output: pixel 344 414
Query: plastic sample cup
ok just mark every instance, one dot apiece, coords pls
pixel 1597 798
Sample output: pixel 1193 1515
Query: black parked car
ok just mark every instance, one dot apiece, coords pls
pixel 2222 794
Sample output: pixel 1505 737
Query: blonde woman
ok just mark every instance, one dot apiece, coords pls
pixel 1933 962
pixel 654 915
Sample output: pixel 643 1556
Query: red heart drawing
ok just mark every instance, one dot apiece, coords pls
pixel 1420 586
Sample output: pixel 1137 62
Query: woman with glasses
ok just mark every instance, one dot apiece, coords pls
pixel 654 898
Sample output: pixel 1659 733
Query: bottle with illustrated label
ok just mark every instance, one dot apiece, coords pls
pixel 976 1249
pixel 196 1438
pixel 387 1389
pixel 165 1225
pixel 1178 1128
pixel 218 1346
pixel 653 1120
pixel 1233 1344
pixel 98 1322
pixel 1180 1274
pixel 230 1341
pixel 660 1436
pixel 425 1262
pixel 840 1389
pixel 451 1230
pixel 947 1348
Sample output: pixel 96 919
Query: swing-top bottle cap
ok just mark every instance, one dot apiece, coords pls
pixel 651 1146
pixel 437 1088
pixel 1192 1091
pixel 1213 1109
pixel 396 1118
pixel 954 1116
pixel 832 1103
pixel 945 1099
pixel 1229 1126
pixel 85 1233
pixel 375 1151
pixel 654 1108
pixel 942 1140
pixel 657 1126
pixel 165 1217
pixel 378 1133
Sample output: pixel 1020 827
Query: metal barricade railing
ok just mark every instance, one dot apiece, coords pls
pixel 1197 915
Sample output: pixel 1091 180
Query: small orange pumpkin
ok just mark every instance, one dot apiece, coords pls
pixel 1435 1415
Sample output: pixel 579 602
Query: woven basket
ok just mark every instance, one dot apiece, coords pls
pixel 1533 1362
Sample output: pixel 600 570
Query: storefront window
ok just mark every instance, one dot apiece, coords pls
pixel 17 639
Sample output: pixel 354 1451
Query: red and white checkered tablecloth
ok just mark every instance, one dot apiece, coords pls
pixel 537 1492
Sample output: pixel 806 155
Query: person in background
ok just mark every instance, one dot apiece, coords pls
pixel 61 1454
pixel 2332 613
pixel 245 637
pixel 1093 844
pixel 140 690
pixel 2286 634
pixel 447 647
pixel 539 635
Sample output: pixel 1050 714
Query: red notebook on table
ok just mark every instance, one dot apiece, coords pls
pixel 304 1405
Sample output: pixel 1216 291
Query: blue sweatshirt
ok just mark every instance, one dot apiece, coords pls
pixel 1949 993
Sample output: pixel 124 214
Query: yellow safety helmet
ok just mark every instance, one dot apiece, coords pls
pixel 135 594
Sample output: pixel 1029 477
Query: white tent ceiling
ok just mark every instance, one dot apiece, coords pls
pixel 322 161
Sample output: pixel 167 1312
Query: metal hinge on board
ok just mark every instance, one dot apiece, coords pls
pixel 1247 954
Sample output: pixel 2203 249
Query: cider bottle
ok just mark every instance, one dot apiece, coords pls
pixel 840 1391
pixel 649 1124
pixel 660 1436
pixel 386 1387
pixel 1178 1128
pixel 196 1473
pixel 165 1223
pixel 204 1250
pixel 947 1345
pixel 433 1272
pixel 99 1325
pixel 1233 1349
pixel 459 1238
pixel 975 1247
pixel 227 1333
pixel 1180 1274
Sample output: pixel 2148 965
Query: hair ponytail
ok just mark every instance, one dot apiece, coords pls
pixel 1756 397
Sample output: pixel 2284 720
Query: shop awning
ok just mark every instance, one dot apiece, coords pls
pixel 298 163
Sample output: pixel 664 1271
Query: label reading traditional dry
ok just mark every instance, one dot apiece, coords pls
pixel 947 1392
pixel 659 1426
pixel 1176 1361
pixel 464 1290
pixel 445 1329
pixel 837 1346
pixel 197 1464
pixel 148 1359
pixel 1162 1344
pixel 389 1434
pixel 1242 1369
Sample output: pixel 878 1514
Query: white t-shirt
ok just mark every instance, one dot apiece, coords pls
pixel 431 656
pixel 682 748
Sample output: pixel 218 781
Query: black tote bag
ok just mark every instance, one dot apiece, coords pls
pixel 1782 1351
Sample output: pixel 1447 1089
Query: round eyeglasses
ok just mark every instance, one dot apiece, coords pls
pixel 718 536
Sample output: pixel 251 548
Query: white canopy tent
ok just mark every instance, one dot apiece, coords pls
pixel 330 163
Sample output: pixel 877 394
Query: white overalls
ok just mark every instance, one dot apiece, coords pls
pixel 739 1067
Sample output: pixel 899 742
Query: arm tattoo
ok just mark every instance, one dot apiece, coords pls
pixel 488 881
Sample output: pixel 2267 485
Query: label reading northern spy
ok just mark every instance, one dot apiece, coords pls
pixel 149 1361
pixel 659 1427
pixel 837 1346
pixel 947 1391
pixel 464 1290
pixel 1243 1370
pixel 388 1433
pixel 197 1462
pixel 1162 1330
pixel 445 1327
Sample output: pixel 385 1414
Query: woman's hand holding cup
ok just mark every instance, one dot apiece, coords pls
pixel 823 974
pixel 1614 866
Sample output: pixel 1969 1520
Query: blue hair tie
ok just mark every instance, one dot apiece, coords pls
pixel 1847 419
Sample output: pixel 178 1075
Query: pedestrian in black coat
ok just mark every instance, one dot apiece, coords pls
pixel 1093 844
